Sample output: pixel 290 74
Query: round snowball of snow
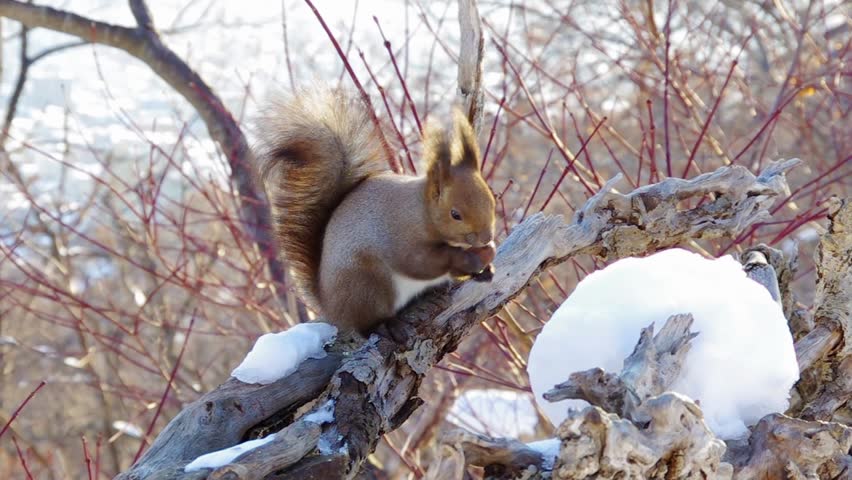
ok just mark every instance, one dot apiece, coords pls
pixel 741 365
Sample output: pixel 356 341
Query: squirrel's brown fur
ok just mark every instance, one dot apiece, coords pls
pixel 361 240
pixel 317 146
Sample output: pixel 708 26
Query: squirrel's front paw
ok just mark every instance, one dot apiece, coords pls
pixel 486 275
pixel 485 254
pixel 474 261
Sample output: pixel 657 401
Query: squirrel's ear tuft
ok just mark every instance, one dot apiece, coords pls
pixel 465 145
pixel 438 154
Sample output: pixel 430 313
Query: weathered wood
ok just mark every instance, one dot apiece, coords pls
pixel 221 417
pixel 674 443
pixel 824 357
pixel 375 388
pixel 288 447
pixel 668 439
pixel 781 447
pixel 471 53
pixel 654 365
pixel 502 457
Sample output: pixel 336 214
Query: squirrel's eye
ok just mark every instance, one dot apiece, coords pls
pixel 455 214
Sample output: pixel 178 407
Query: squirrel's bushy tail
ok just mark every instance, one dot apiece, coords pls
pixel 315 146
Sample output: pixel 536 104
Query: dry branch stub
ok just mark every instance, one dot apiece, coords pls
pixel 654 365
pixel 375 388
pixel 661 435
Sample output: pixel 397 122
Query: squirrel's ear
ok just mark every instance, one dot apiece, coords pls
pixel 438 154
pixel 465 142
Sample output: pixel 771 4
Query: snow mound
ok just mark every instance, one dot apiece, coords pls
pixel 220 458
pixel 741 365
pixel 276 355
pixel 495 412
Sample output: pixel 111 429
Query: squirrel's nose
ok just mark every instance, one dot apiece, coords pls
pixel 479 239
pixel 470 238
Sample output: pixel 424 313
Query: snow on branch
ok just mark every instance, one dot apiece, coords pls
pixel 375 389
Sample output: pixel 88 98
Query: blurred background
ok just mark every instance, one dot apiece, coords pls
pixel 134 273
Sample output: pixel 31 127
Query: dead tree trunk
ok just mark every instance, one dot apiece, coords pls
pixel 375 388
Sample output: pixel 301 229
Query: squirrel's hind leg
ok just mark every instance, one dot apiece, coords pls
pixel 359 299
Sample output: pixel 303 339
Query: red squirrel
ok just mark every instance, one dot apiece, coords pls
pixel 361 240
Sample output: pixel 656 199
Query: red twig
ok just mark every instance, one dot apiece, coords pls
pixel 21 407
pixel 537 184
pixel 166 392
pixel 707 122
pixel 565 171
pixel 394 164
pixel 491 134
pixel 402 81
pixel 87 457
pixel 666 92
pixel 22 458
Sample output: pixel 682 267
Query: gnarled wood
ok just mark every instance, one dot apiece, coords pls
pixel 667 437
pixel 221 418
pixel 824 353
pixel 654 365
pixel 674 443
pixel 501 457
pixel 375 389
pixel 788 448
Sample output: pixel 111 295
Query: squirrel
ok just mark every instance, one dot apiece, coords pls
pixel 361 240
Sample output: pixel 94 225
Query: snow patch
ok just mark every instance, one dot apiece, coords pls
pixel 276 355
pixel 495 412
pixel 325 414
pixel 741 365
pixel 223 457
pixel 548 449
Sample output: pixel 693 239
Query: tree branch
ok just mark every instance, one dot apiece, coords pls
pixel 142 15
pixel 471 53
pixel 223 128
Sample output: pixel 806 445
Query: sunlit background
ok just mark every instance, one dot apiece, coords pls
pixel 129 284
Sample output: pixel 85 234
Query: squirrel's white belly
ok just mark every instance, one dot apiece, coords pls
pixel 407 288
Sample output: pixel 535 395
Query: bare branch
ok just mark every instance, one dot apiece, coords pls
pixel 224 416
pixel 167 65
pixel 470 62
pixel 652 367
pixel 142 15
